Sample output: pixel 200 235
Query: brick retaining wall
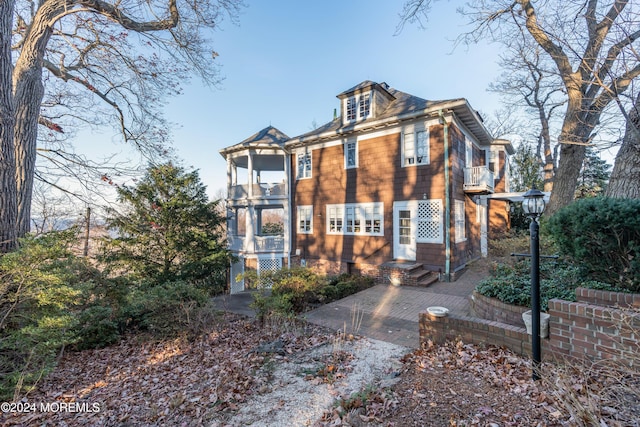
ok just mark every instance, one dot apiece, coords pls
pixel 576 329
pixel 494 309
pixel 607 299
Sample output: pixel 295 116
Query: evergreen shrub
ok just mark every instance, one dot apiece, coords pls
pixel 602 235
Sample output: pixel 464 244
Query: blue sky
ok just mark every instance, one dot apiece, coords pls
pixel 286 61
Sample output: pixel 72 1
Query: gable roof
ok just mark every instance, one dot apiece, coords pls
pixel 268 137
pixel 402 106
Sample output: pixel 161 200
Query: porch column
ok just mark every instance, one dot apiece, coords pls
pixel 250 176
pixel 229 176
pixel 234 174
pixel 287 173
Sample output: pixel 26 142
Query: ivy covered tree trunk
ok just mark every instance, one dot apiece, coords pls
pixel 625 177
pixel 8 193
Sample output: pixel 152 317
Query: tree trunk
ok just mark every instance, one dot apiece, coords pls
pixel 579 120
pixel 566 178
pixel 625 177
pixel 28 92
pixel 544 145
pixel 28 95
pixel 8 193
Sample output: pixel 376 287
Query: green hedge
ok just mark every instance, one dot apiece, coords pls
pixel 511 284
pixel 602 235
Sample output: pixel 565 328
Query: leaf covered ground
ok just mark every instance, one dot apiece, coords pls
pixel 242 373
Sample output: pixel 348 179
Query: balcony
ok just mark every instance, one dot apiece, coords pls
pixel 260 244
pixel 478 179
pixel 265 190
pixel 269 244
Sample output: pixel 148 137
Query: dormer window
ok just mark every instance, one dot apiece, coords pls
pixel 358 107
pixel 365 105
pixel 352 108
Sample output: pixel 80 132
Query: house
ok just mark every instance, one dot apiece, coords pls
pixel 392 187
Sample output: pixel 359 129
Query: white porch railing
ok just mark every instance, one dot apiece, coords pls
pixel 264 190
pixel 478 178
pixel 269 243
pixel 236 243
pixel 260 244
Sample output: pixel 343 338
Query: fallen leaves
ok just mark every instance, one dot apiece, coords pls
pixel 170 382
pixel 210 379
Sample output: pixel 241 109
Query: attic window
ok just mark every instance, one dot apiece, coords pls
pixel 352 108
pixel 358 108
pixel 365 106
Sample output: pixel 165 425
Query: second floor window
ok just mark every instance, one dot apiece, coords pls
pixel 304 165
pixel 415 148
pixel 350 155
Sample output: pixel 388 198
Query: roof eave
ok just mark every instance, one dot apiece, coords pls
pixel 432 111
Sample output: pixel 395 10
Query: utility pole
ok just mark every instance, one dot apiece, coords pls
pixel 85 252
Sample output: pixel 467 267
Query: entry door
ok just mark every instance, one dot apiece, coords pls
pixel 404 230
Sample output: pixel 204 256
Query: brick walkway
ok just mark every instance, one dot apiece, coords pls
pixel 390 313
pixel 383 312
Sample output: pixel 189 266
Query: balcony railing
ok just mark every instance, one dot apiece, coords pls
pixel 269 243
pixel 236 243
pixel 258 244
pixel 478 179
pixel 264 190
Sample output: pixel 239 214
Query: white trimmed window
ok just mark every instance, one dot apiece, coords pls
pixel 305 219
pixel 468 153
pixel 494 163
pixel 358 107
pixel 352 108
pixel 335 215
pixel 304 165
pixel 415 148
pixel 364 106
pixel 459 216
pixel 356 218
pixel 351 155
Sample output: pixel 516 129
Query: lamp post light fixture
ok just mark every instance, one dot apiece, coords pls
pixel 533 206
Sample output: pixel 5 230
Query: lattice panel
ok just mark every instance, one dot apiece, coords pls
pixel 429 231
pixel 429 221
pixel 429 209
pixel 269 264
pixel 272 264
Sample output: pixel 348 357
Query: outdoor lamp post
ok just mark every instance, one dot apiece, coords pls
pixel 533 206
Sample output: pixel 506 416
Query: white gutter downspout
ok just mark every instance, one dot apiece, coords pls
pixel 447 201
pixel 287 166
